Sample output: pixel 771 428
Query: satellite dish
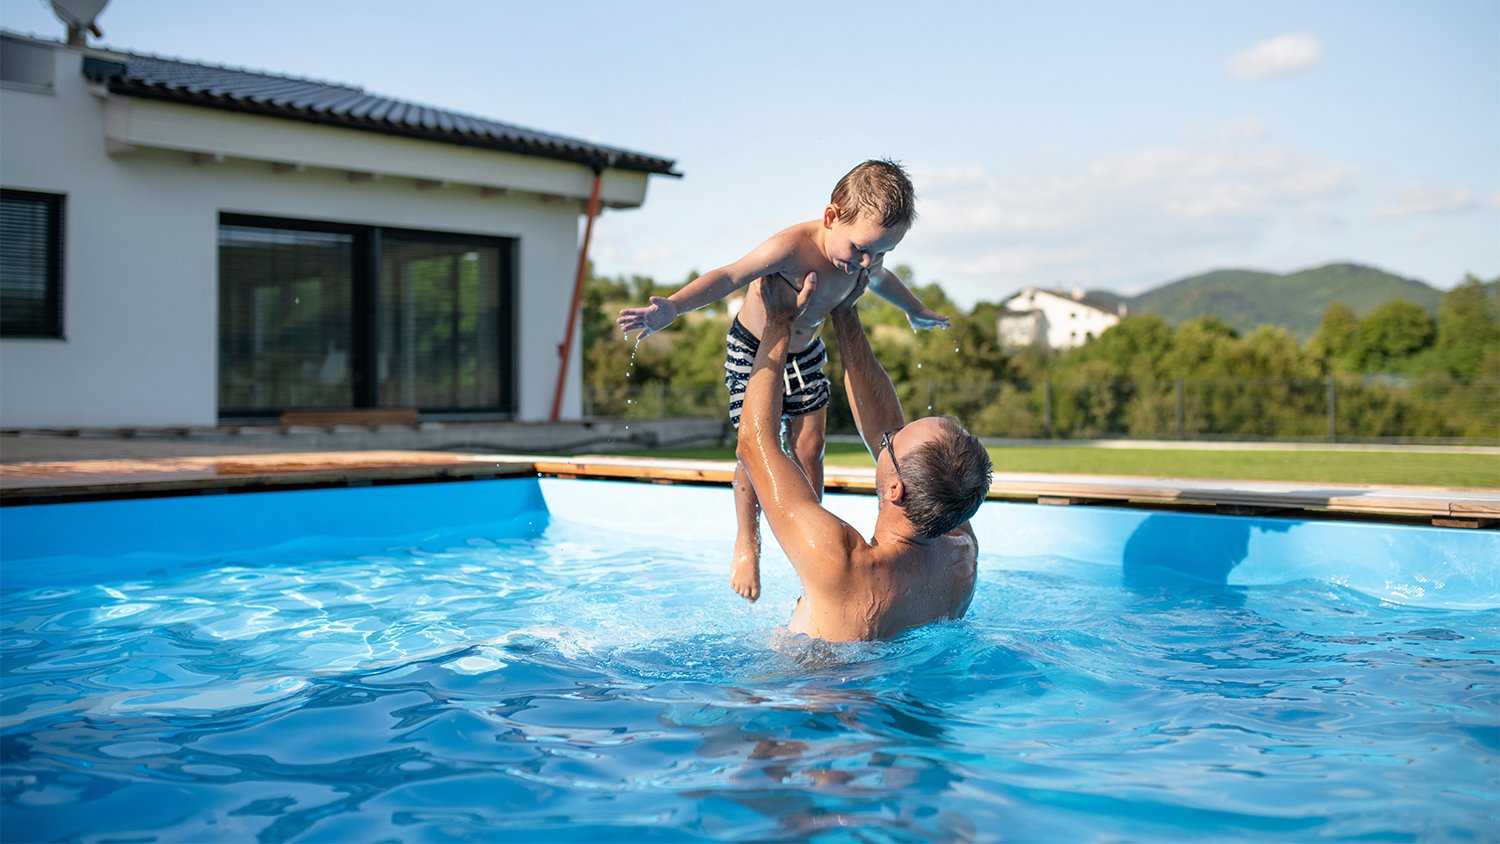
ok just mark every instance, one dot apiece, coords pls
pixel 79 15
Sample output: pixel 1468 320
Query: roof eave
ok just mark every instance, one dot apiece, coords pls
pixel 589 156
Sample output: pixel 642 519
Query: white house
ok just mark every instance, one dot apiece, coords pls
pixel 184 244
pixel 1059 320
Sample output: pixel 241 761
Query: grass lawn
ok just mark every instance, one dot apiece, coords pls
pixel 1354 467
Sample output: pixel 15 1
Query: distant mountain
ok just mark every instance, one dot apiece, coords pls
pixel 1107 298
pixel 1248 298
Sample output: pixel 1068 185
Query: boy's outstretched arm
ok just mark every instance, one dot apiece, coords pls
pixel 766 259
pixel 888 286
pixel 872 396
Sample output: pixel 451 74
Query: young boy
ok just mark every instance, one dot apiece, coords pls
pixel 870 211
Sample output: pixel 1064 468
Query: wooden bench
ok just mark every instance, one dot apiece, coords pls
pixel 368 416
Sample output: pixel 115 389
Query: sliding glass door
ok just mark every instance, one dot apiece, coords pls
pixel 440 332
pixel 315 315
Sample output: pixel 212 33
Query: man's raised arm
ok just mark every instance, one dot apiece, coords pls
pixel 760 418
pixel 872 396
pixel 812 537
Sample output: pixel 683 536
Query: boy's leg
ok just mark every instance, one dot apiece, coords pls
pixel 807 434
pixel 744 570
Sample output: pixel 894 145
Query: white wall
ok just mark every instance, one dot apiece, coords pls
pixel 140 308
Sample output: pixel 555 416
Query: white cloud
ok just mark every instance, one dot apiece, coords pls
pixel 1279 56
pixel 1148 213
pixel 1425 200
pixel 656 253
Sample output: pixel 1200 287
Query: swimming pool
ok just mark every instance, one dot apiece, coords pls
pixel 564 660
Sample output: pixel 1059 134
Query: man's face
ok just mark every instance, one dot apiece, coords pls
pixel 859 245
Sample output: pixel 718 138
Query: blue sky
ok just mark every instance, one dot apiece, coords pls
pixel 1113 145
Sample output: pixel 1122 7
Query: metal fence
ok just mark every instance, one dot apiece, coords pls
pixel 1328 409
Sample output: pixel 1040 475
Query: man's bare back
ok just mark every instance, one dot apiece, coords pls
pixel 885 590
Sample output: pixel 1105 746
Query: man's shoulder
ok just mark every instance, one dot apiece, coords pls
pixel 965 532
pixel 837 541
pixel 963 540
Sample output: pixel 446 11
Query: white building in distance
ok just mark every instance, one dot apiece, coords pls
pixel 1059 320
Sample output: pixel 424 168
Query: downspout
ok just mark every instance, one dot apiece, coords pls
pixel 565 348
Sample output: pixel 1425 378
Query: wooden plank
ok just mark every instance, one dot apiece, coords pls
pixel 1476 509
pixel 1474 524
pixel 1069 501
pixel 20 481
pixel 356 416
pixel 1249 498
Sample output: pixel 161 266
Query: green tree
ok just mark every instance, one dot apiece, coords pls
pixel 1201 348
pixel 1335 337
pixel 1391 335
pixel 1468 330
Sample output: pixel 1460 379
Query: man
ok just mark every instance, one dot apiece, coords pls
pixel 919 566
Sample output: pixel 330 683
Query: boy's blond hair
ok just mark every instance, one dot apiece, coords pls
pixel 879 190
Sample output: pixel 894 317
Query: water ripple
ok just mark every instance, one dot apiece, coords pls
pixel 569 688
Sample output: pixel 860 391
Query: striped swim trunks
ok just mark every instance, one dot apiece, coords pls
pixel 805 388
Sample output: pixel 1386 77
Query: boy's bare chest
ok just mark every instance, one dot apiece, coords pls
pixel 833 287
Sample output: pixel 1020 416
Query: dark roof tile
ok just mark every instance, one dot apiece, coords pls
pixel 314 101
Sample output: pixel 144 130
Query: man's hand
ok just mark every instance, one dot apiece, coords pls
pixel 782 300
pixel 650 319
pixel 848 305
pixel 927 318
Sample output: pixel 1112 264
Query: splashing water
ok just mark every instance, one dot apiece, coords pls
pixel 630 371
pixel 629 375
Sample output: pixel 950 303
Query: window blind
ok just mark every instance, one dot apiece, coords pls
pixel 30 264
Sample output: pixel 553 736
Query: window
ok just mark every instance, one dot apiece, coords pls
pixel 26 64
pixel 328 316
pixel 285 327
pixel 439 339
pixel 31 253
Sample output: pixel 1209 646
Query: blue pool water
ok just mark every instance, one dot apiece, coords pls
pixel 565 661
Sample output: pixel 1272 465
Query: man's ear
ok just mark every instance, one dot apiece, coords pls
pixel 830 214
pixel 895 490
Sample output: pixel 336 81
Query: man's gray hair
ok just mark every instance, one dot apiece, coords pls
pixel 945 479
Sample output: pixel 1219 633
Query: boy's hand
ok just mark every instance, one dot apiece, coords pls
pixel 650 319
pixel 928 319
pixel 782 300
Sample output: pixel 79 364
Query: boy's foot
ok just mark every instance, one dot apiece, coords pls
pixel 744 572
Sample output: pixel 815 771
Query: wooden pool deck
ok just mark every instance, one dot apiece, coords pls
pixel 80 480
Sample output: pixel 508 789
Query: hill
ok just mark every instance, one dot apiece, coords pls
pixel 1248 298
